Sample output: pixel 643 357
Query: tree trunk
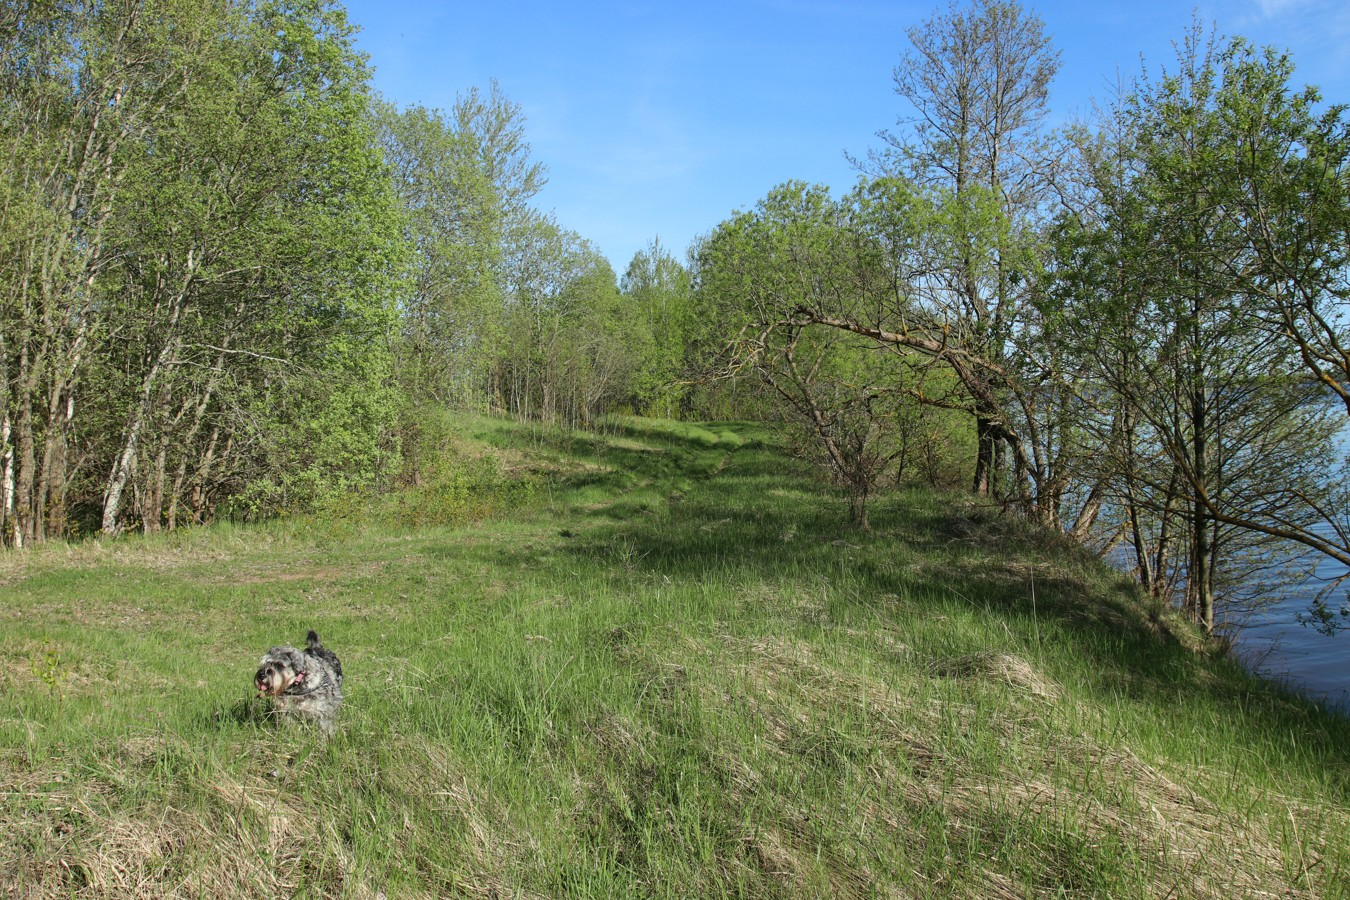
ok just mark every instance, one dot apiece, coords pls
pixel 857 508
pixel 152 502
pixel 1165 536
pixel 200 501
pixel 982 484
pixel 121 471
pixel 1143 560
pixel 1086 519
pixel 1202 574
pixel 56 467
pixel 23 507
pixel 7 519
pixel 117 480
pixel 126 460
pixel 52 476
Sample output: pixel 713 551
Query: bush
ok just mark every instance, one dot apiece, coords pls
pixel 477 489
pixel 449 480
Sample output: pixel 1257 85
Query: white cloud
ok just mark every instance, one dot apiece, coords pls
pixel 1270 9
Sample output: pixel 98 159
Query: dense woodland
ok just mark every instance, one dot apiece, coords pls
pixel 233 280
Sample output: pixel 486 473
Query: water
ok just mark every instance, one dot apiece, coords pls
pixel 1273 643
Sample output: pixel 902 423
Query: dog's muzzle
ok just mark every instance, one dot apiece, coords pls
pixel 271 681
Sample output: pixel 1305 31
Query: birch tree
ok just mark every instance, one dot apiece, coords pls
pixel 198 225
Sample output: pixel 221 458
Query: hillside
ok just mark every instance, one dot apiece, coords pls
pixel 646 664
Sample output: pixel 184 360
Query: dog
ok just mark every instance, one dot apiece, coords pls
pixel 305 686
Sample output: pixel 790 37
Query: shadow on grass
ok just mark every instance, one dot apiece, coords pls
pixel 249 712
pixel 659 508
pixel 755 513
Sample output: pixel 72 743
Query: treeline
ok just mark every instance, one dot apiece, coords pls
pixel 231 276
pixel 198 255
pixel 506 308
pixel 1140 320
pixel 235 280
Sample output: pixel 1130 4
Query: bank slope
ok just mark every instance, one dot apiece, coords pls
pixel 650 663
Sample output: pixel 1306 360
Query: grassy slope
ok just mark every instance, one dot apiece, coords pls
pixel 666 672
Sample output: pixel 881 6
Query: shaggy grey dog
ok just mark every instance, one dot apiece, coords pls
pixel 305 685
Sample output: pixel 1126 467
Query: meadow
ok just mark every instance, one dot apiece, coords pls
pixel 649 662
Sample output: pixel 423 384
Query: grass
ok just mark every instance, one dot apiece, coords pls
pixel 663 669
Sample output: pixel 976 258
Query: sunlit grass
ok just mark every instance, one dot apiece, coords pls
pixel 665 669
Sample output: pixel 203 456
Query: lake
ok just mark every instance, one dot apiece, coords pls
pixel 1273 643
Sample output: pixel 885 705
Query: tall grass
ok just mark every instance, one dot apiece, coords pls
pixel 664 669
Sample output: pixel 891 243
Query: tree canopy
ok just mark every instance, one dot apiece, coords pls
pixel 236 281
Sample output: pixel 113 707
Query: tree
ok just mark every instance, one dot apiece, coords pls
pixel 1211 423
pixel 79 84
pixel 569 345
pixel 1289 175
pixel 452 227
pixel 218 243
pixel 798 275
pixel 977 79
pixel 464 179
pixel 660 290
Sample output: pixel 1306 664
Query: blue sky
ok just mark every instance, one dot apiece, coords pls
pixel 660 119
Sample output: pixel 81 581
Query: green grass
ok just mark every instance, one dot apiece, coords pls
pixel 650 663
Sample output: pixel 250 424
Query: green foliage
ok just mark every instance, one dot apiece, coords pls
pixel 506 308
pixel 570 345
pixel 221 258
pixel 1170 296
pixel 809 283
pixel 456 497
pixel 449 481
pixel 455 215
pixel 49 670
pixel 322 441
pixel 661 292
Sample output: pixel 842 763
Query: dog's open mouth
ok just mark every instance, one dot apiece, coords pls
pixel 271 684
pixel 301 686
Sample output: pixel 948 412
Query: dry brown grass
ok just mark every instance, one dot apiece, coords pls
pixel 251 837
pixel 1192 847
pixel 1007 668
